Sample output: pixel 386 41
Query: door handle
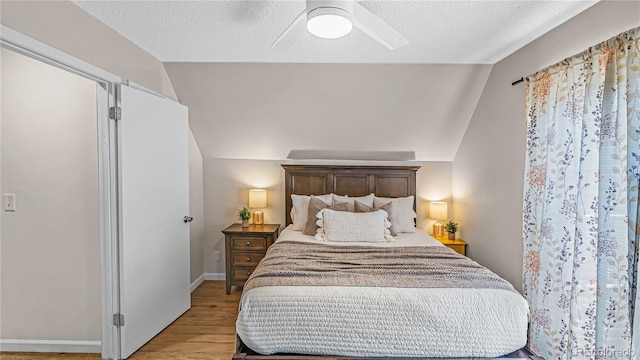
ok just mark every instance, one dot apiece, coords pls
pixel 187 219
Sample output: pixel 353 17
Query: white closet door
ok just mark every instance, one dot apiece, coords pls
pixel 154 250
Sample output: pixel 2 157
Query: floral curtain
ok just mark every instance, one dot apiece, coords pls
pixel 580 218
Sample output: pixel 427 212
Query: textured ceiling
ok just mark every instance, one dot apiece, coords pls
pixel 439 32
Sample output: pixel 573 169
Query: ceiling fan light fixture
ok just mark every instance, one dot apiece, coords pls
pixel 329 22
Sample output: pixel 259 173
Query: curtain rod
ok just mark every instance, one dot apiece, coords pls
pixel 517 81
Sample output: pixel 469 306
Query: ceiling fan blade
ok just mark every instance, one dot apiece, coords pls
pixel 292 33
pixel 376 28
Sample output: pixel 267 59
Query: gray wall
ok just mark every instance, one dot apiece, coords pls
pixel 196 208
pixel 50 247
pixel 227 183
pixel 488 170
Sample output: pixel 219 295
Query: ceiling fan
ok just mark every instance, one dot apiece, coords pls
pixel 332 19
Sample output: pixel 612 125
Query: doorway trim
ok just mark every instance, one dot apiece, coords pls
pixel 107 96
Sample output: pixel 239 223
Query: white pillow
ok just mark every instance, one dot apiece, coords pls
pixel 367 200
pixel 403 213
pixel 300 209
pixel 353 227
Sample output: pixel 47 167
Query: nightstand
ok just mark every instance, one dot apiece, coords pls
pixel 457 245
pixel 244 248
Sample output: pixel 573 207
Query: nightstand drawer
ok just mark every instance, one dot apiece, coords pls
pixel 242 273
pixel 246 258
pixel 460 249
pixel 249 243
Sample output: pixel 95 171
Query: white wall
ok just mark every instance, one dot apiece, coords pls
pixel 49 247
pixel 227 183
pixel 488 170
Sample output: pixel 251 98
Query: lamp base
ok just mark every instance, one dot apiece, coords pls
pixel 438 229
pixel 258 217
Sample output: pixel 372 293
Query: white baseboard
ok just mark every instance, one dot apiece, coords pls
pixel 214 276
pixel 57 346
pixel 206 276
pixel 197 282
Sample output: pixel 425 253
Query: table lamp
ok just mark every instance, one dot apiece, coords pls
pixel 438 212
pixel 258 200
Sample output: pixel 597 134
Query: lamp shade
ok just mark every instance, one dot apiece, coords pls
pixel 257 198
pixel 438 210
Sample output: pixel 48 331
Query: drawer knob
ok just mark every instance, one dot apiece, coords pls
pixel 248 258
pixel 248 272
pixel 248 243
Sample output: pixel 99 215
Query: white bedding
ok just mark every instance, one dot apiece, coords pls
pixel 382 321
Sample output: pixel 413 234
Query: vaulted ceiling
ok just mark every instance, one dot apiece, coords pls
pixel 352 93
pixel 262 111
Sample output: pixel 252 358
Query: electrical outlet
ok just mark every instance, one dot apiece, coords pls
pixel 9 202
pixel 217 256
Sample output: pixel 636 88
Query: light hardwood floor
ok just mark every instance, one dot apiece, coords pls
pixel 206 331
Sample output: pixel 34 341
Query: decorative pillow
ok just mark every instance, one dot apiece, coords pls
pixel 350 227
pixel 402 216
pixel 388 207
pixel 316 205
pixel 367 200
pixel 301 208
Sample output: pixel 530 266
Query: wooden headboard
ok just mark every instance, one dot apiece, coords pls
pixel 384 181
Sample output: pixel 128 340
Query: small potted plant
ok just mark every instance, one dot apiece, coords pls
pixel 244 214
pixel 451 228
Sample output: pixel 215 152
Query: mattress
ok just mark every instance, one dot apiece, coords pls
pixel 382 321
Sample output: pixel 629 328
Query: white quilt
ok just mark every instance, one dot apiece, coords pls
pixel 372 321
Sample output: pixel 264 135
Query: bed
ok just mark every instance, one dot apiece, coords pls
pixel 405 296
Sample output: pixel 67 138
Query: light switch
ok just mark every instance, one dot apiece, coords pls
pixel 9 202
